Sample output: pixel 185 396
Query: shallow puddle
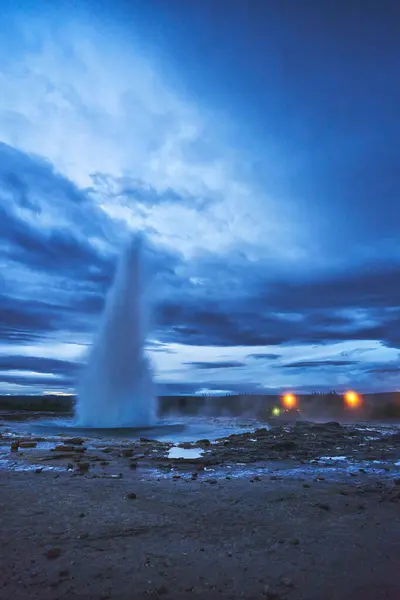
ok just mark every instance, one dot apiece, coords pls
pixel 176 452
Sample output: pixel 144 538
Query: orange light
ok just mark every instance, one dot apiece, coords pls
pixel 289 400
pixel 352 399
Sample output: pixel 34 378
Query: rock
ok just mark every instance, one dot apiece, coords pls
pixel 211 481
pixel 53 553
pixel 70 467
pixel 83 536
pixel 295 542
pixel 83 466
pixel 14 446
pixel 162 590
pixel 270 594
pixel 65 448
pixel 176 477
pixel 131 496
pixel 75 441
pixel 319 478
pixel 133 464
pixel 322 506
pixel 396 481
pixel 306 485
pixel 204 443
pixel 286 581
pixel 127 452
pixel 38 469
pixel 186 445
pixel 284 446
pixel 275 478
pixel 64 573
pixel 28 445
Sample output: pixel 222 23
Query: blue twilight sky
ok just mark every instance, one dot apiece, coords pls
pixel 255 143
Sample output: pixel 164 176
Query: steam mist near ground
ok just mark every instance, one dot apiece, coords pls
pixel 324 407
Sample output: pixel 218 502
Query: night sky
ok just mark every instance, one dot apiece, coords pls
pixel 257 146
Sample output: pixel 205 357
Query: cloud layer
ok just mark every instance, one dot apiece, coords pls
pixel 268 274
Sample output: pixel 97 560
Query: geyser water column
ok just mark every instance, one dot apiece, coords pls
pixel 117 388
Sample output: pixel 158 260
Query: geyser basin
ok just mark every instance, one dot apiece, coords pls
pixel 117 387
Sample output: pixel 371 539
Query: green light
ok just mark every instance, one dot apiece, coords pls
pixel 276 411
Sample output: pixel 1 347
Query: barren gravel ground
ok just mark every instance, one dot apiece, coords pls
pixel 188 538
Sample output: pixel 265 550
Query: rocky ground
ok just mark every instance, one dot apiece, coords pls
pixel 258 515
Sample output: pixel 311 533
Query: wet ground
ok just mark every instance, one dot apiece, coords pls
pixel 221 447
pixel 209 509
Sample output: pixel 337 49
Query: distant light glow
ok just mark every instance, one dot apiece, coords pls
pixel 352 399
pixel 276 411
pixel 289 401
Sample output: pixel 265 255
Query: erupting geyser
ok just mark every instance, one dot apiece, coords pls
pixel 117 387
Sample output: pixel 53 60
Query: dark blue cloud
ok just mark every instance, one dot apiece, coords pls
pixel 264 356
pixel 318 364
pixel 223 364
pixel 38 364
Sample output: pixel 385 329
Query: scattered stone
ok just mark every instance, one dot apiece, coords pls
pixel 83 466
pixel 70 467
pixel 176 477
pixel 82 515
pixel 396 481
pixel 286 581
pixel 131 496
pixel 295 542
pixel 127 452
pixel 65 448
pixel 162 590
pixel 64 573
pixel 319 478
pixel 270 594
pixel 53 553
pixel 211 481
pixel 185 445
pixel 83 536
pixel 275 477
pixel 322 506
pixel 306 485
pixel 133 464
pixel 204 443
pixel 38 469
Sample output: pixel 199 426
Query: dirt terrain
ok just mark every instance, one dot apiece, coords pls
pixel 260 515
